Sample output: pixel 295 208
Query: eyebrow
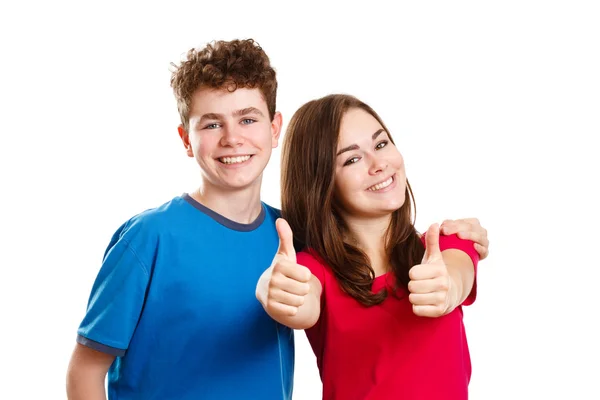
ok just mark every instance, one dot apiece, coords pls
pixel 236 113
pixel 355 146
pixel 246 111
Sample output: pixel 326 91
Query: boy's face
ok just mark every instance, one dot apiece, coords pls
pixel 230 136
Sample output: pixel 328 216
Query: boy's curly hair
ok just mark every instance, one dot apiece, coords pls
pixel 224 64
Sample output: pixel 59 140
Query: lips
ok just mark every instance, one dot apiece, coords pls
pixel 382 184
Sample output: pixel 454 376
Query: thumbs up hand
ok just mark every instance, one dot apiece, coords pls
pixel 432 290
pixel 288 284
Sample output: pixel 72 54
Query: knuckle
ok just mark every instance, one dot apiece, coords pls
pixel 441 298
pixel 305 289
pixel 292 311
pixel 444 285
pixel 277 266
pixel 276 281
pixel 271 303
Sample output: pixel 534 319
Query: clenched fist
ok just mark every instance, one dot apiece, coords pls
pixel 431 288
pixel 288 284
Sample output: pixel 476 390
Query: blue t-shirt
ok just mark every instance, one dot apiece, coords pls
pixel 175 302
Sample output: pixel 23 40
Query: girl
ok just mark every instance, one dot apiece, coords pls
pixel 381 304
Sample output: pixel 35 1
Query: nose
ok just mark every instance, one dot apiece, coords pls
pixel 378 165
pixel 231 137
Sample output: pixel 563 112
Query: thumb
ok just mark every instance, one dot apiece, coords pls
pixel 286 239
pixel 432 244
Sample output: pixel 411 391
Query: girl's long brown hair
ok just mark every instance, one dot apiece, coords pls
pixel 309 205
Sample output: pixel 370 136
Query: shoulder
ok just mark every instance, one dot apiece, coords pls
pixel 310 256
pixel 272 212
pixel 147 225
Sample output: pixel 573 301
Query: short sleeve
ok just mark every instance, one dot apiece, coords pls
pixel 116 300
pixel 466 246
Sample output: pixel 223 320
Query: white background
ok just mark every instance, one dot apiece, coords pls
pixel 495 106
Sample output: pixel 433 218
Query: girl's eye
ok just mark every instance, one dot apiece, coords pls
pixel 381 144
pixel 353 160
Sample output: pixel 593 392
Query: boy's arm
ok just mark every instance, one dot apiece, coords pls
pixel 87 373
pixel 114 308
pixel 289 292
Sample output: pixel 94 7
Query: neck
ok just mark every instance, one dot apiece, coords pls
pixel 240 205
pixel 369 236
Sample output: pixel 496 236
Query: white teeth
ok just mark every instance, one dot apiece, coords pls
pixel 382 185
pixel 234 160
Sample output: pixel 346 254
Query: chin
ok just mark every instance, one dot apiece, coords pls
pixel 243 184
pixel 394 206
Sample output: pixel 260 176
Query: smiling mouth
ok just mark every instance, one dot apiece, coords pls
pixel 381 185
pixel 234 160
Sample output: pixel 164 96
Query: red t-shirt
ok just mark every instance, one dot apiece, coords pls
pixel 385 351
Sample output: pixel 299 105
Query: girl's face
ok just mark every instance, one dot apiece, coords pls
pixel 370 180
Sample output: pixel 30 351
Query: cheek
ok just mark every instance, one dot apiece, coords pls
pixel 261 136
pixel 205 145
pixel 347 183
pixel 397 159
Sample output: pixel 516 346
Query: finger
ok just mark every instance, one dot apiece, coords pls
pixel 428 311
pixel 286 239
pixel 282 309
pixel 286 298
pixel 282 282
pixel 432 244
pixel 440 284
pixel 450 227
pixel 483 251
pixel 294 271
pixel 469 221
pixel 428 299
pixel 475 237
pixel 446 226
pixel 422 272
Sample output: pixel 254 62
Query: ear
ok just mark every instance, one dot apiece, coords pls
pixel 185 138
pixel 276 128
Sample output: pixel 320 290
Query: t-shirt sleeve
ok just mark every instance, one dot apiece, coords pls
pixel 116 299
pixel 466 246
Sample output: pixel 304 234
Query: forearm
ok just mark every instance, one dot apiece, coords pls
pixel 85 386
pixel 86 374
pixel 462 276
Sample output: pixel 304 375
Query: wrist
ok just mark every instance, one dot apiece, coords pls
pixel 454 293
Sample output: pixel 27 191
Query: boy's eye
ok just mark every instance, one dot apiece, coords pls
pixel 212 126
pixel 248 121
